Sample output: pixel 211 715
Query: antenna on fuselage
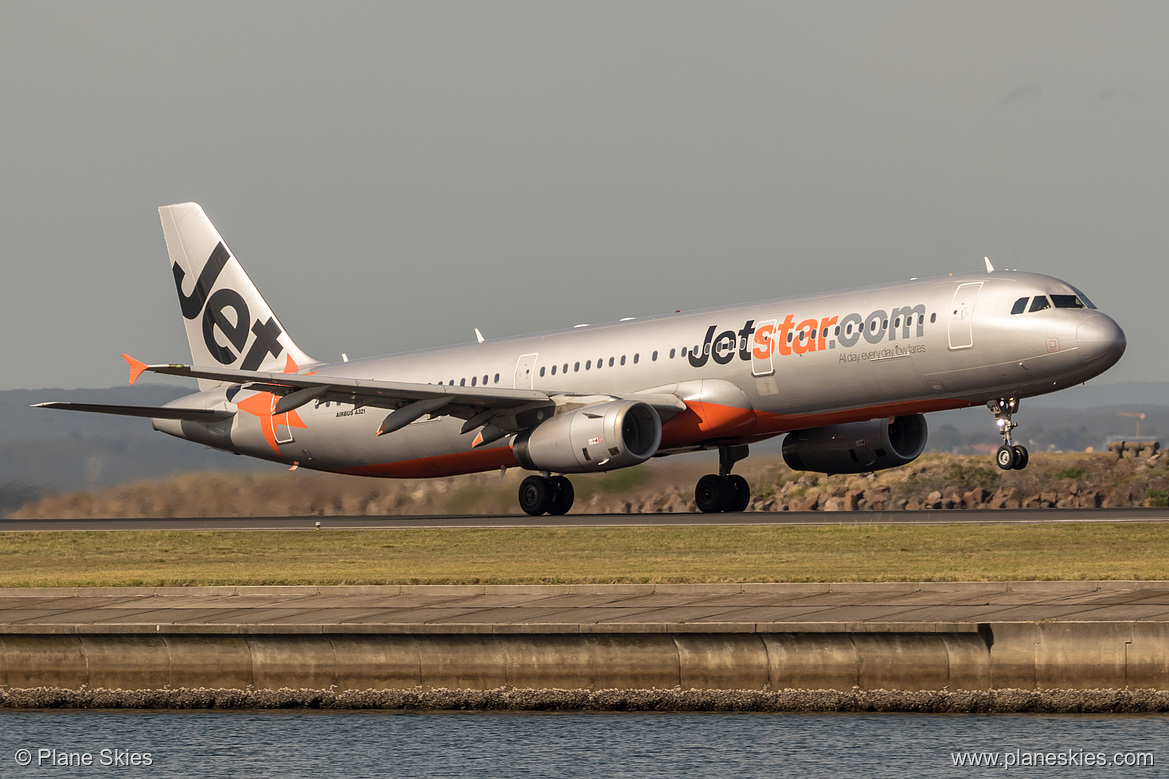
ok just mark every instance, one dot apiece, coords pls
pixel 989 267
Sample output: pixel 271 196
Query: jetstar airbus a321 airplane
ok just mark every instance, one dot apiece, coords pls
pixel 846 375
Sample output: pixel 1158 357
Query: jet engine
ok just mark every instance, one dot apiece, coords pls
pixel 856 447
pixel 594 438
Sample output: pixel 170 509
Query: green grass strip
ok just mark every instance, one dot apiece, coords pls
pixel 586 555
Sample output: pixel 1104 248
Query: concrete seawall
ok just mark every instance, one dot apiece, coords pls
pixel 1049 635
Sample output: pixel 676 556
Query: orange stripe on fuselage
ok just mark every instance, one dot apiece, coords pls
pixel 442 465
pixel 700 424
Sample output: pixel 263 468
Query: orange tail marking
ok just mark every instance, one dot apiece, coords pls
pixel 136 367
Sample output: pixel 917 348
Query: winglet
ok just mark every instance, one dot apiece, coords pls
pixel 136 367
pixel 989 267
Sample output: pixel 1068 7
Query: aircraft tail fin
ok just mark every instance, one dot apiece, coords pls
pixel 228 322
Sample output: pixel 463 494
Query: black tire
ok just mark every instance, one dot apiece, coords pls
pixel 562 496
pixel 536 493
pixel 1021 457
pixel 738 493
pixel 1005 457
pixel 710 494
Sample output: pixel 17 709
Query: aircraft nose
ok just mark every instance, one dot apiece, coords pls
pixel 1099 337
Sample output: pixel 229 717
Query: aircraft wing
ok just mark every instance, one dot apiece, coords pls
pixel 506 409
pixel 151 412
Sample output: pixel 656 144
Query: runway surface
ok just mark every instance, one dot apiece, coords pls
pixel 793 518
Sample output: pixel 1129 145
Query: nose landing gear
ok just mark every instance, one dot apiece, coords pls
pixel 1010 456
pixel 724 491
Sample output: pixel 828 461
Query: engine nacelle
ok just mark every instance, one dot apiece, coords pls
pixel 594 438
pixel 857 447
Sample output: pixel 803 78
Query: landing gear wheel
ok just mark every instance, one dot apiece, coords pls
pixel 710 494
pixel 1010 456
pixel 1005 457
pixel 536 495
pixel 562 497
pixel 1020 457
pixel 739 494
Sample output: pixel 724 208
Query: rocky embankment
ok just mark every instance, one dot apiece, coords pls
pixel 1006 701
pixel 1127 475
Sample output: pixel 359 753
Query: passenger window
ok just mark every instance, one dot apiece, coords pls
pixel 654 357
pixel 473 379
pixel 1020 306
pixel 588 365
pixel 671 354
pixel 576 367
pixel 610 362
pixel 622 359
pixel 1040 303
pixel 553 371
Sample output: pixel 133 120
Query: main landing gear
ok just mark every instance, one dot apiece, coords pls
pixel 1009 456
pixel 724 491
pixel 546 494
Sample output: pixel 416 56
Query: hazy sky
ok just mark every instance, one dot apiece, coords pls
pixel 395 174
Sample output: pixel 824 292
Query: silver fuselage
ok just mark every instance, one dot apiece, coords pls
pixel 745 373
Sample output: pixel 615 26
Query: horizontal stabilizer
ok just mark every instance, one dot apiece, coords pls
pixel 149 412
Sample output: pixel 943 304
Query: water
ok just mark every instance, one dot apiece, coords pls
pixel 412 744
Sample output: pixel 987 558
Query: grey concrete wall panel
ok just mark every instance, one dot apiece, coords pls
pixel 376 662
pixel 825 661
pixel 1012 655
pixel 968 656
pixel 722 662
pixel 195 659
pixel 1082 654
pixel 901 661
pixel 44 661
pixel 1147 657
pixel 292 661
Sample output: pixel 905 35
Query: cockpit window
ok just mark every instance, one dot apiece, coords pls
pixel 1067 301
pixel 1040 303
pixel 1083 297
pixel 1020 306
